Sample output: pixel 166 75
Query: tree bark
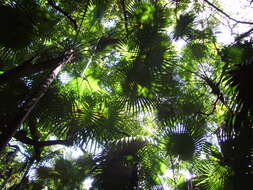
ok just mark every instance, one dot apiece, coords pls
pixel 28 68
pixel 25 109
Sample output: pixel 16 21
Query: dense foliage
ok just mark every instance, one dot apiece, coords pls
pixel 110 79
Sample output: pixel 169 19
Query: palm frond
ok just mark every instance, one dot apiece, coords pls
pixel 153 167
pixel 210 175
pixel 20 25
pixel 147 12
pixel 184 140
pixel 188 107
pixel 212 151
pixel 129 145
pixel 238 76
pixel 27 21
pixel 197 50
pixel 55 108
pixel 119 164
pixel 142 76
pixel 99 9
pixel 66 173
pixel 184 26
pixel 149 19
pixel 236 134
pixel 99 119
pixel 235 140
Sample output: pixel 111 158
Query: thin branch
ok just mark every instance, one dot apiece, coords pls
pixel 173 170
pixel 54 142
pixel 244 35
pixel 19 150
pixel 214 86
pixel 82 19
pixel 213 110
pixel 66 14
pixel 227 15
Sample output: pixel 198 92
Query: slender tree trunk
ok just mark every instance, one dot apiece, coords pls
pixel 28 68
pixel 10 129
pixel 24 178
pixel 135 177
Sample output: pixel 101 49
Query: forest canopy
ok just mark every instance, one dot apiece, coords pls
pixel 146 91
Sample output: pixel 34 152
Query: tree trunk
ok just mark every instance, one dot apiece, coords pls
pixel 28 68
pixel 24 179
pixel 11 128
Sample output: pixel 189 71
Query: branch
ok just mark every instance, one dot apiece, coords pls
pixel 213 110
pixel 26 140
pixel 28 68
pixel 225 14
pixel 214 86
pixel 66 14
pixel 54 142
pixel 244 35
pixel 18 149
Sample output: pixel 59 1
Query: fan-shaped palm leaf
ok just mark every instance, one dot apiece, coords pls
pixel 27 21
pixel 19 24
pixel 99 9
pixel 119 165
pixel 56 107
pixel 184 140
pixel 142 77
pixel 99 119
pixel 210 175
pixel 184 26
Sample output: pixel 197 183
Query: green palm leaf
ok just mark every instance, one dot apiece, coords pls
pixel 184 26
pixel 119 164
pixel 211 175
pixel 184 140
pixel 238 76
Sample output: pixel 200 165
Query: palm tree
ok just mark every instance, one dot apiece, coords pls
pixel 236 135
